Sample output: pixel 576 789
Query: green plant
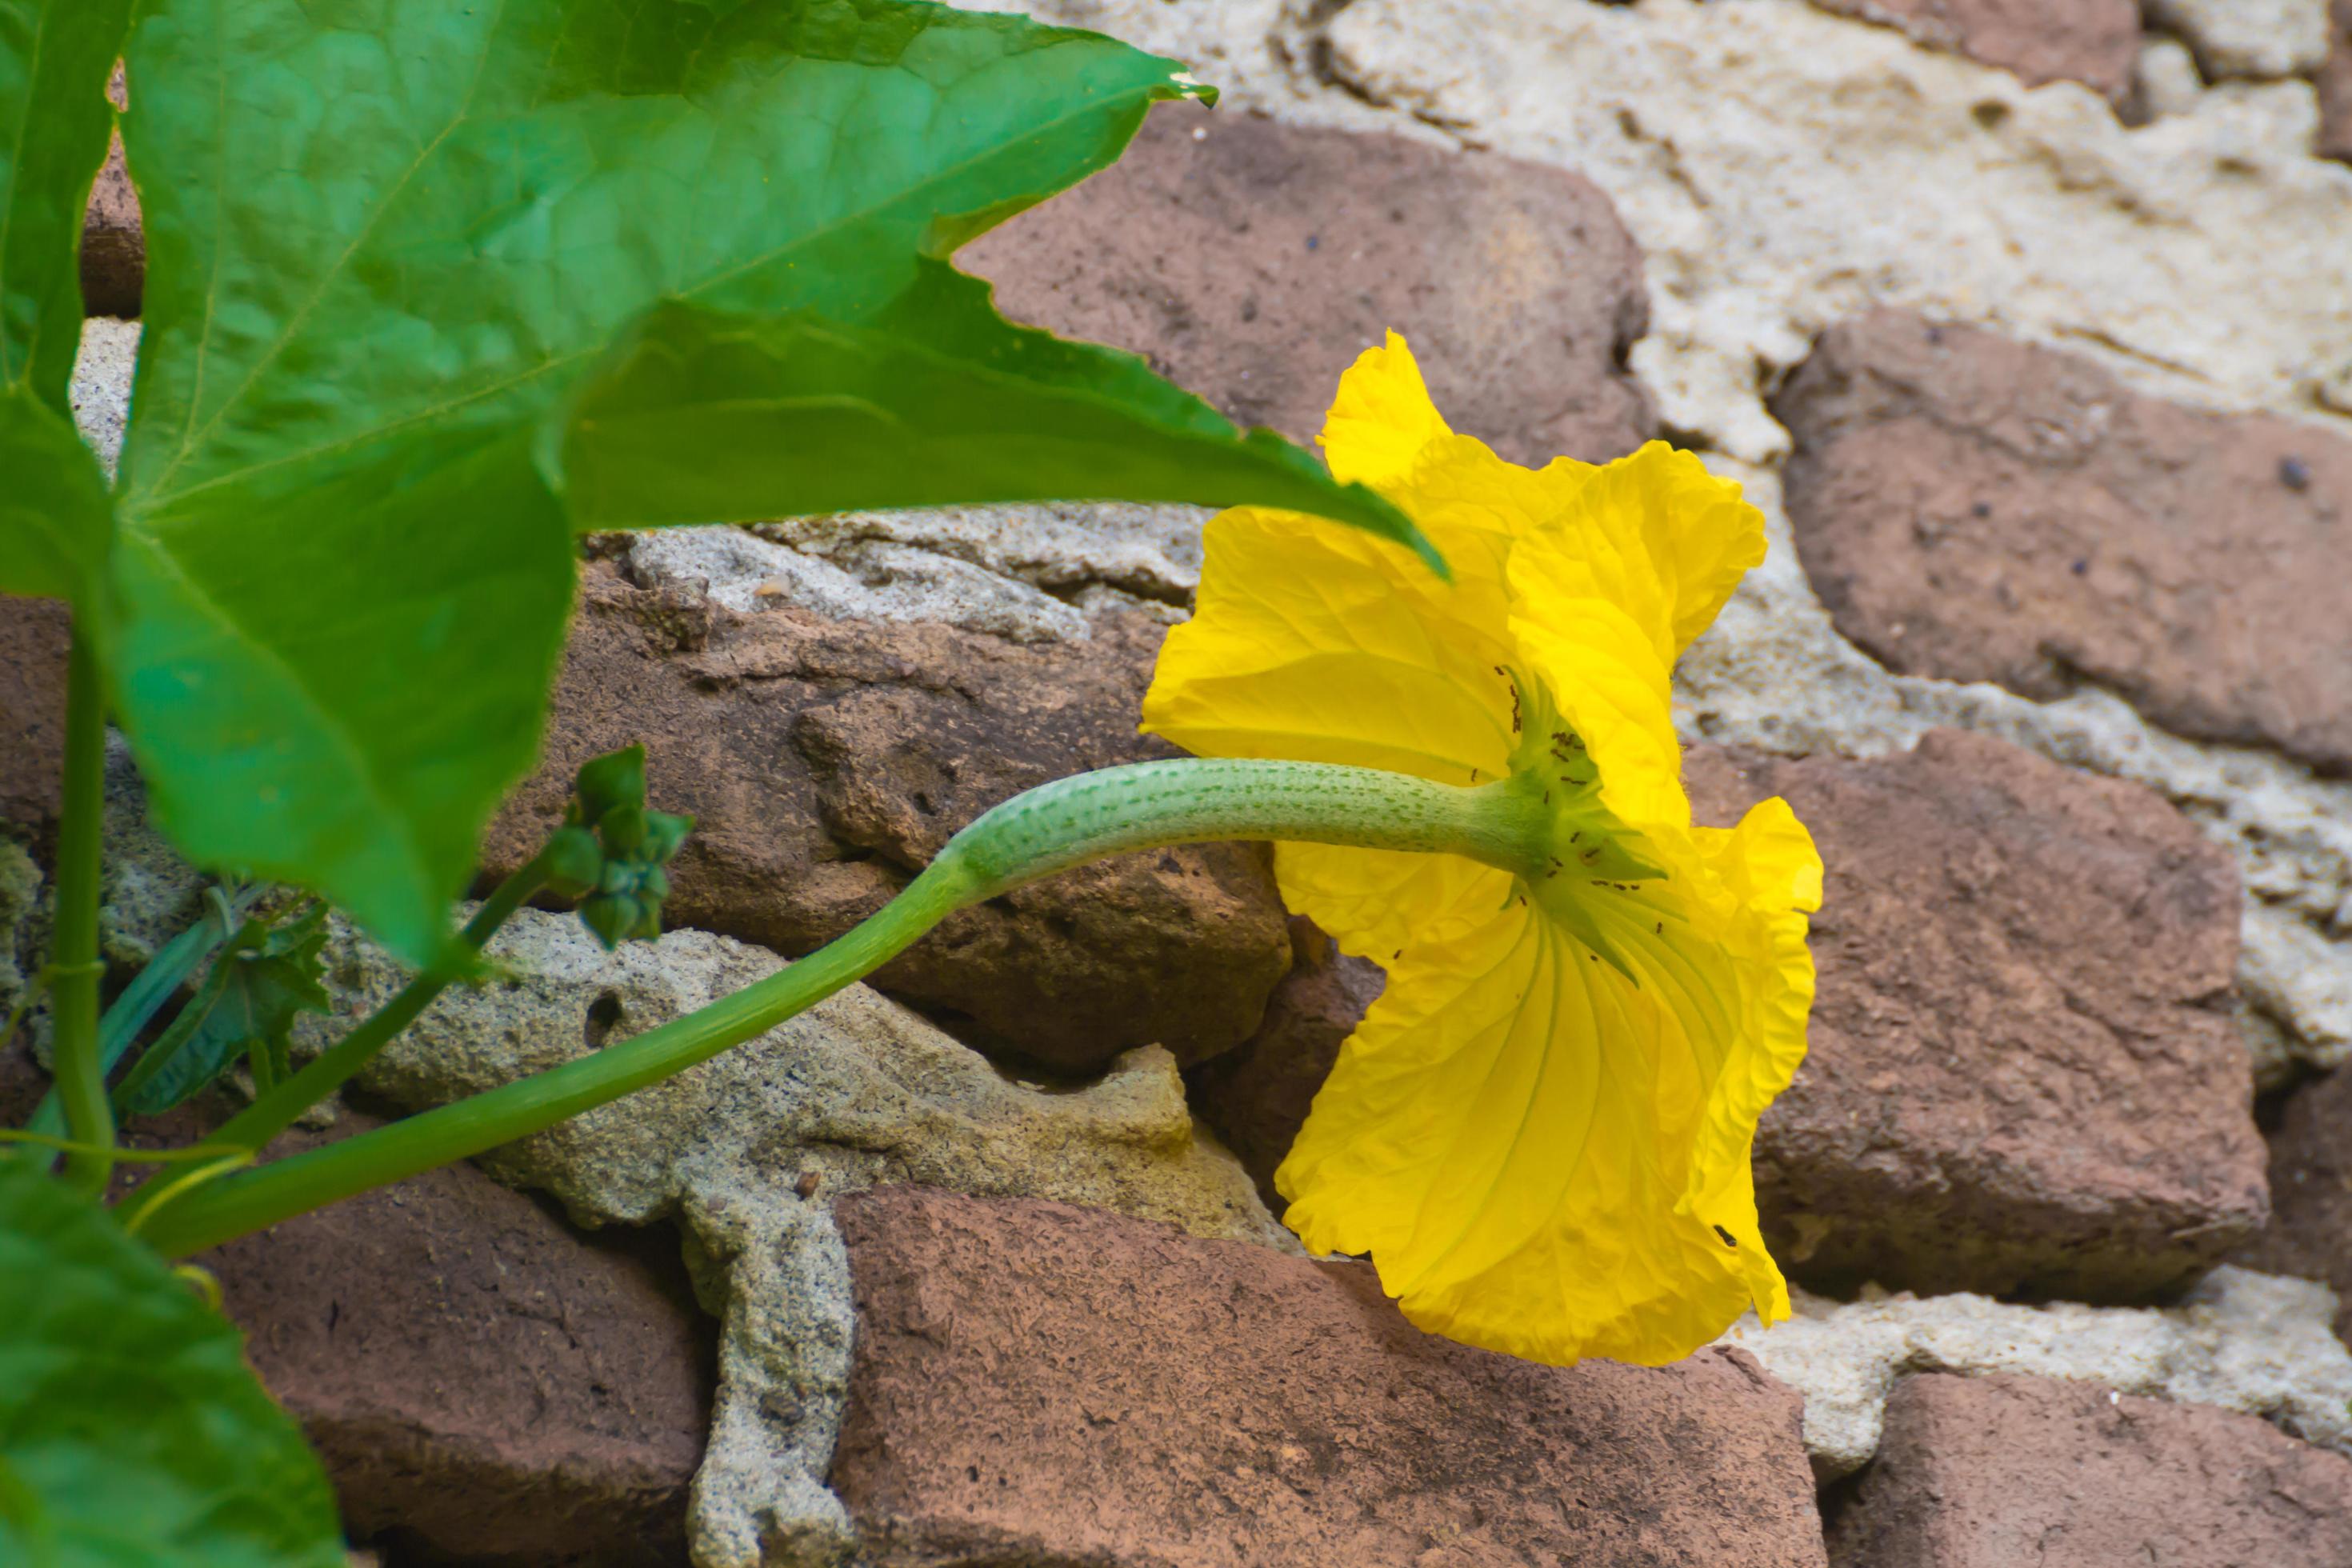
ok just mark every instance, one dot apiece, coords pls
pixel 436 286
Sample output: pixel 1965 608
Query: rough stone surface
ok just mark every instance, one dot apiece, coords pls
pixel 2258 39
pixel 2022 1074
pixel 1038 1383
pixel 1090 555
pixel 747 1151
pixel 1028 574
pixel 1773 674
pixel 2310 1232
pixel 483 1382
pixel 1258 1095
pixel 1976 509
pixel 1993 1472
pixel 20 901
pixel 114 248
pixel 34 636
pixel 2165 79
pixel 2245 1342
pixel 2089 41
pixel 1252 262
pixel 826 762
pixel 1781 169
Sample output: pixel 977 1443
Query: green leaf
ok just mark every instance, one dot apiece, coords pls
pixel 384 241
pixel 54 56
pixel 55 519
pixel 262 987
pixel 703 416
pixel 331 682
pixel 54 120
pixel 132 1430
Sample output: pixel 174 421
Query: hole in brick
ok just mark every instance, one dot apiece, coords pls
pixel 604 1017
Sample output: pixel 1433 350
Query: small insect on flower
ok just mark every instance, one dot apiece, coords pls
pixel 1541 1130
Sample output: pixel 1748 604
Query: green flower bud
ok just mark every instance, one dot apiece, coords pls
pixel 622 829
pixel 664 832
pixel 611 917
pixel 615 779
pixel 575 862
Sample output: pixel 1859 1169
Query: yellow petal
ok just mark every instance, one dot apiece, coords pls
pixel 1376 903
pixel 1548 1157
pixel 1606 680
pixel 1323 644
pixel 1382 420
pixel 1771 877
pixel 1665 541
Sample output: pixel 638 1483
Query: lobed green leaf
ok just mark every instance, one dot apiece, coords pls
pixel 391 246
pixel 132 1430
pixel 383 242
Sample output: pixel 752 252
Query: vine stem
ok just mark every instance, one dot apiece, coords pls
pixel 74 966
pixel 1048 829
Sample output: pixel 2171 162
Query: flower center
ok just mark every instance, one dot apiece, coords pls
pixel 1583 861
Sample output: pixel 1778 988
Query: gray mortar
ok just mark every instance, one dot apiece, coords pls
pixel 855 1093
pixel 2248 1342
pixel 101 384
pixel 1031 573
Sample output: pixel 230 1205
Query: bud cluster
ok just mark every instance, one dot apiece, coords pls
pixel 610 851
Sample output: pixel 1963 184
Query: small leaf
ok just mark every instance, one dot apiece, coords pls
pixel 702 417
pixel 132 1430
pixel 611 918
pixel 269 984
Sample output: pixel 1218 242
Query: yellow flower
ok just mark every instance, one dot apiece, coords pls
pixel 1541 1132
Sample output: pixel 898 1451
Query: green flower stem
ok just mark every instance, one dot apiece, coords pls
pixel 1049 829
pixel 275 1109
pixel 75 969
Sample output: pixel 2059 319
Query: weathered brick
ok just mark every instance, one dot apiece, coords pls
pixel 1033 1383
pixel 1996 1471
pixel 1252 262
pixel 1976 509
